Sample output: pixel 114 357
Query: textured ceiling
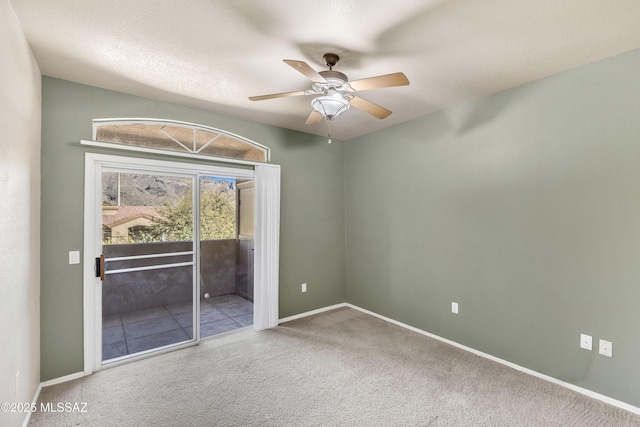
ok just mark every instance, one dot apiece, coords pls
pixel 214 54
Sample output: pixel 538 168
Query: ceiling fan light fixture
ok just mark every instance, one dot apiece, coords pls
pixel 335 93
pixel 330 106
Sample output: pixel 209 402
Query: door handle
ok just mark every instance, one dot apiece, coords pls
pixel 99 267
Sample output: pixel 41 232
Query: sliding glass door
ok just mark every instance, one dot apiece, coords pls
pixel 169 254
pixel 168 282
pixel 149 261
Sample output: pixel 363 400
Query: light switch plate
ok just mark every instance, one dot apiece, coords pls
pixel 454 307
pixel 74 257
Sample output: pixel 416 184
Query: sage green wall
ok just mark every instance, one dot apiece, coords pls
pixel 312 208
pixel 523 207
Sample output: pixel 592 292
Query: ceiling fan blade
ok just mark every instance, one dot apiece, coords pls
pixel 369 107
pixel 277 95
pixel 306 69
pixel 314 117
pixel 388 80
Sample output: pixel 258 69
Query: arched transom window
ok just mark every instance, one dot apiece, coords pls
pixel 180 137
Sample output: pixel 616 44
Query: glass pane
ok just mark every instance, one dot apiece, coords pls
pixel 226 303
pixel 181 138
pixel 148 291
pixel 140 208
pixel 217 208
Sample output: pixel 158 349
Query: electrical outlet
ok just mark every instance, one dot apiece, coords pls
pixel 606 348
pixel 586 342
pixel 304 287
pixel 454 307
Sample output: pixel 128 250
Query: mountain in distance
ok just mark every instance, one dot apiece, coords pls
pixel 155 190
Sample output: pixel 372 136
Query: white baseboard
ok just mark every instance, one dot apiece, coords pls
pixel 48 383
pixel 25 423
pixel 312 312
pixel 64 379
pixel 586 392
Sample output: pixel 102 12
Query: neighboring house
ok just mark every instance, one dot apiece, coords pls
pixel 120 223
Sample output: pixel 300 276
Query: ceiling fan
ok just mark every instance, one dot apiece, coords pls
pixel 335 93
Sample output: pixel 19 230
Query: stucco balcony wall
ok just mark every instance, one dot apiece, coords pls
pixel 139 290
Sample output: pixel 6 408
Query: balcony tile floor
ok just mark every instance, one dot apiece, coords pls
pixel 137 331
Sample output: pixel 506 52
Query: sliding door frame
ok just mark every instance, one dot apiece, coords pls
pixel 195 263
pixel 267 230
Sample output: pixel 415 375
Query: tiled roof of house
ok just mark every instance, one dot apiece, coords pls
pixel 127 213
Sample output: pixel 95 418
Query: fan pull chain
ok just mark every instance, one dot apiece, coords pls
pixel 329 135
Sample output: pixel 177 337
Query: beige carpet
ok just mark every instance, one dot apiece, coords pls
pixel 339 368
